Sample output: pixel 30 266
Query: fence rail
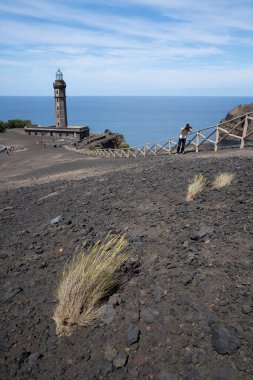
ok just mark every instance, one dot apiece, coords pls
pixel 239 129
pixel 2 148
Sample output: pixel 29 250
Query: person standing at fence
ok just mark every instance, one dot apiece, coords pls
pixel 182 138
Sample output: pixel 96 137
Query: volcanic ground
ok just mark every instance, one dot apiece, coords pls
pixel 185 307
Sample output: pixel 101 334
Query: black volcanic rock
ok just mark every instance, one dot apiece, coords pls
pixel 223 342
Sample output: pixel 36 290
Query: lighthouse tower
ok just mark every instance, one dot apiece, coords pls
pixel 60 101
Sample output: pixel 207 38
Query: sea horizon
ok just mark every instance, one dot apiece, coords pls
pixel 141 119
pixel 134 96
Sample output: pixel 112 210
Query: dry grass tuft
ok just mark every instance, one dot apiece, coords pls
pixel 223 179
pixel 195 187
pixel 88 278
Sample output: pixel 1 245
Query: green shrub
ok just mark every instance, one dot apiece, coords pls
pixel 18 123
pixel 108 132
pixel 92 147
pixel 2 126
pixel 124 146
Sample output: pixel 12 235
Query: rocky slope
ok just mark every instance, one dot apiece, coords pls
pixel 235 124
pixel 185 310
pixel 239 110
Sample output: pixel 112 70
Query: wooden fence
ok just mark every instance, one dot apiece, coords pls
pixel 235 132
pixel 2 148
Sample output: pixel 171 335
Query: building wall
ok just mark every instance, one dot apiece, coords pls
pixel 77 134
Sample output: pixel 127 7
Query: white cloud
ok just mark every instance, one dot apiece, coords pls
pixel 185 45
pixel 204 22
pixel 117 81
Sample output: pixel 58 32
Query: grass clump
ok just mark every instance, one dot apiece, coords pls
pixel 196 186
pixel 86 279
pixel 222 180
pixel 124 146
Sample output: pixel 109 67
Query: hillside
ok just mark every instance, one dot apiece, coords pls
pixel 185 309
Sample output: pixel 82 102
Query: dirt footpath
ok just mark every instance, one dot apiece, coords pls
pixel 185 310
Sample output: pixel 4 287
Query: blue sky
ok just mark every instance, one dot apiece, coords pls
pixel 127 47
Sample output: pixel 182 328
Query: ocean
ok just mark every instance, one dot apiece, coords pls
pixel 141 119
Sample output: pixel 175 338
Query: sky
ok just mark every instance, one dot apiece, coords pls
pixel 127 47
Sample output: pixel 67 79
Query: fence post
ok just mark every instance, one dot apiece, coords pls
pixel 244 133
pixel 145 150
pixel 155 149
pixel 197 142
pixel 217 138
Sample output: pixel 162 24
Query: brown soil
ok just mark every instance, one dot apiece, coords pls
pixel 185 311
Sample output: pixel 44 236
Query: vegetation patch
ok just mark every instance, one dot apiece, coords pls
pixel 88 278
pixel 108 131
pixel 94 147
pixel 15 123
pixel 124 146
pixel 222 180
pixel 196 186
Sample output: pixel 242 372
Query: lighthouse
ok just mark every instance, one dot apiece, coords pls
pixel 61 120
pixel 61 129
